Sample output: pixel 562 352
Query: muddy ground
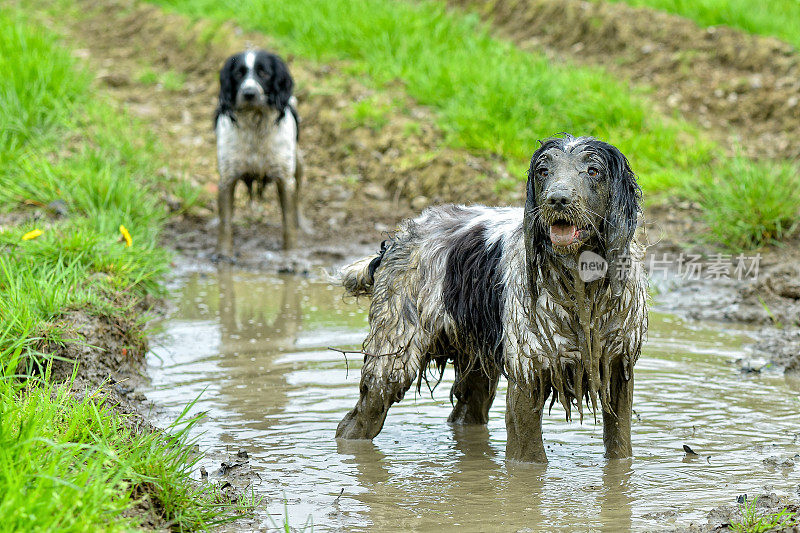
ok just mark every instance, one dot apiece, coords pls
pixel 363 177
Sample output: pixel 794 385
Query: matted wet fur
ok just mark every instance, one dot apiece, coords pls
pixel 497 291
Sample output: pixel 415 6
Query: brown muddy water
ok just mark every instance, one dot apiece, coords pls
pixel 253 348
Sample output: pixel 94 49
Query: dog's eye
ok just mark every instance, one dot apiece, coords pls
pixel 542 172
pixel 593 172
pixel 261 73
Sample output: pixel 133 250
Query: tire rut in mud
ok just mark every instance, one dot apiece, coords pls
pixel 743 89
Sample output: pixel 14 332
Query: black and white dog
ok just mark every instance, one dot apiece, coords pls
pixel 257 131
pixel 504 291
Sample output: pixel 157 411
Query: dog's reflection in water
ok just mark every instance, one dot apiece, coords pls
pixel 480 488
pixel 254 330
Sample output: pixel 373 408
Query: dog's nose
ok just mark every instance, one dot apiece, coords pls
pixel 249 94
pixel 559 199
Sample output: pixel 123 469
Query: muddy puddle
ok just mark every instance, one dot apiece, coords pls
pixel 253 348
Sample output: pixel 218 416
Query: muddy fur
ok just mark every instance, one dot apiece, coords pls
pixel 484 289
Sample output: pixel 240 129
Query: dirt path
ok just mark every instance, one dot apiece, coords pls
pixel 743 89
pixel 360 181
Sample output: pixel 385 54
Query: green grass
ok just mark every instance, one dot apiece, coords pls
pixel 490 97
pixel 69 464
pixel 748 204
pixel 494 99
pixel 777 18
pixel 66 151
pixel 372 113
pixel 755 521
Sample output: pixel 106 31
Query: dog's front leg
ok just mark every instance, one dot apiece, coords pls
pixel 225 208
pixel 385 379
pixel 366 419
pixel 287 196
pixel 617 425
pixel 524 412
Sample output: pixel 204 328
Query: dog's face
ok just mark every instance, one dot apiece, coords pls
pixel 254 80
pixel 581 191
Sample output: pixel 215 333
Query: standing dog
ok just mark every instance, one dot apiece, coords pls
pixel 257 132
pixel 501 291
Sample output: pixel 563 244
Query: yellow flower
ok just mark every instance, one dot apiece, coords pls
pixel 127 235
pixel 32 235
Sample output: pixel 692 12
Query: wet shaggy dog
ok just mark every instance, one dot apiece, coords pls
pixel 501 291
pixel 257 131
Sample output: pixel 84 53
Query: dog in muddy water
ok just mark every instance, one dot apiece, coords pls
pixel 552 295
pixel 256 124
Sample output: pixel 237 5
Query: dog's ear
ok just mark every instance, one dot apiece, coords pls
pixel 281 85
pixel 227 89
pixel 535 234
pixel 623 211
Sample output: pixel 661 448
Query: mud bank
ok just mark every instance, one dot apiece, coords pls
pixel 769 303
pixel 104 358
pixel 744 89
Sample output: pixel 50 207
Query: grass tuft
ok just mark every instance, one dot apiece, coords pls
pixel 67 464
pixel 755 521
pixel 776 18
pixel 748 204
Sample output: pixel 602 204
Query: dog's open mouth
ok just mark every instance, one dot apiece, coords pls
pixel 563 233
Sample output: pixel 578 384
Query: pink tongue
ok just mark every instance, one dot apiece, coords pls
pixel 562 234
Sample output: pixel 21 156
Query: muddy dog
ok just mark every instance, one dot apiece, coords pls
pixel 257 132
pixel 552 295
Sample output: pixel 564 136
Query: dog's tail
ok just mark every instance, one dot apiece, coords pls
pixel 358 278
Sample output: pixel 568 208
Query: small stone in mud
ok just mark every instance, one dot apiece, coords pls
pixel 226 467
pixel 123 390
pixel 777 462
pixel 242 454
